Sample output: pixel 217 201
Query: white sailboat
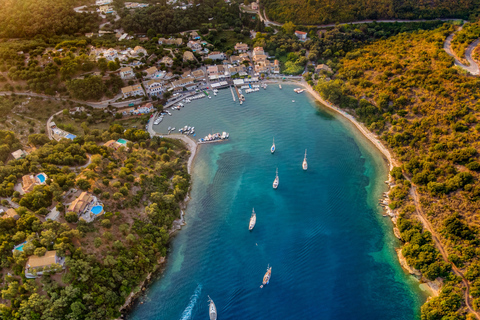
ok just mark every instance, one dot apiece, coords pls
pixel 276 181
pixel 253 220
pixel 304 164
pixel 212 310
pixel 272 149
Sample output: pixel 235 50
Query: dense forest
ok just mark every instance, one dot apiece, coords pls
pixel 328 11
pixel 140 187
pixel 407 90
pixel 165 19
pixel 28 18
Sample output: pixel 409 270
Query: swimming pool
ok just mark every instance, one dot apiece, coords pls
pixel 70 136
pixel 122 141
pixel 41 177
pixel 20 247
pixel 96 210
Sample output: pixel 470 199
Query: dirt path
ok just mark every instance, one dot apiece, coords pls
pixel 438 244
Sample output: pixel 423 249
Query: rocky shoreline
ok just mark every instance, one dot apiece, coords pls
pixel 177 225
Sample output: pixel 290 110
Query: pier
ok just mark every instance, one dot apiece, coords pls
pixel 233 95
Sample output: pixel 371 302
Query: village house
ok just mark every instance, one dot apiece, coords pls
pixel 131 91
pixel 154 87
pixel 302 36
pixel 151 73
pixel 101 33
pixel 254 5
pixel 233 70
pixel 241 47
pixel 30 181
pixel 235 59
pixel 126 73
pixel 110 54
pixel 80 204
pixel 258 51
pixel 137 51
pixel 11 213
pixel 323 67
pixel 198 74
pixel 194 35
pixel 216 55
pixel 188 56
pixel 182 82
pixel 194 45
pixel 36 265
pixel 106 9
pixel 117 144
pixel 167 61
pixel 19 154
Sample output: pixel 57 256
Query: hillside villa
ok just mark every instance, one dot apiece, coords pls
pixel 36 265
pixel 131 91
pixel 86 206
pixel 29 181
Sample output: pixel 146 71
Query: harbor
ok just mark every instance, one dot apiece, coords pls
pixel 308 224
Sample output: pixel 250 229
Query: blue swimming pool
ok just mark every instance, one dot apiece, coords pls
pixel 70 136
pixel 20 247
pixel 97 209
pixel 41 177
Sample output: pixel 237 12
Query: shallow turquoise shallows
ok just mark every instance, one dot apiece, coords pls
pixel 322 232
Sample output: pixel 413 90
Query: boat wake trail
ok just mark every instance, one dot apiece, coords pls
pixel 187 313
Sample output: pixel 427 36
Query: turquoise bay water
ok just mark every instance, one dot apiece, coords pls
pixel 331 251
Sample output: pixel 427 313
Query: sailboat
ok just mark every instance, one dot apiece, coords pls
pixel 275 182
pixel 272 149
pixel 304 164
pixel 253 220
pixel 212 310
pixel 266 277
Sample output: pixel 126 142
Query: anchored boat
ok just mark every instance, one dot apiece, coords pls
pixel 272 149
pixel 280 86
pixel 253 220
pixel 304 164
pixel 266 277
pixel 212 310
pixel 275 182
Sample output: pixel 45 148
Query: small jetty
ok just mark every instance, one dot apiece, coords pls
pixel 215 137
pixel 233 95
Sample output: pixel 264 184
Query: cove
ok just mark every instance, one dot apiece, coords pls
pixel 322 232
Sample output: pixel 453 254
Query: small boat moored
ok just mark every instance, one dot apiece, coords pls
pixel 253 220
pixel 276 181
pixel 304 164
pixel 212 309
pixel 267 276
pixel 272 149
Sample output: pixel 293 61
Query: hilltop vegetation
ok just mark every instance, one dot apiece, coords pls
pixel 140 188
pixel 463 38
pixel 325 11
pixel 407 89
pixel 28 18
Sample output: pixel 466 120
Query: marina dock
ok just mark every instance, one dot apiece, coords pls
pixel 233 95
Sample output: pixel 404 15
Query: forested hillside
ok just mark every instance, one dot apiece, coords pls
pixel 407 89
pixel 28 18
pixel 332 11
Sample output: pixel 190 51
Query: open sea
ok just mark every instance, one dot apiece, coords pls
pixel 322 231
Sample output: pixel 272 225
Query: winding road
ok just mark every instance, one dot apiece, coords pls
pixel 473 67
pixel 267 22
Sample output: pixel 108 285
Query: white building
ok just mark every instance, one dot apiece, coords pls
pixel 126 73
pixel 154 87
pixel 131 91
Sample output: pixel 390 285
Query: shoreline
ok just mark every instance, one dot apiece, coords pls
pixel 432 287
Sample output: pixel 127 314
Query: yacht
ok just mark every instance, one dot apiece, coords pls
pixel 253 220
pixel 275 182
pixel 212 310
pixel 304 164
pixel 266 277
pixel 272 149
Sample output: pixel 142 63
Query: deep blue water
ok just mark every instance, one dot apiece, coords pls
pixel 331 251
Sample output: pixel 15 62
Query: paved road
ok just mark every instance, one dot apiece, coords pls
pixel 101 104
pixel 264 18
pixel 473 67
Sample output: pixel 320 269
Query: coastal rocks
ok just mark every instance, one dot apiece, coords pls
pixel 397 234
pixel 416 273
pixel 434 286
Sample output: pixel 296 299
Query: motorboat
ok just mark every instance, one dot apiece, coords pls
pixel 253 220
pixel 212 309
pixel 276 181
pixel 304 164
